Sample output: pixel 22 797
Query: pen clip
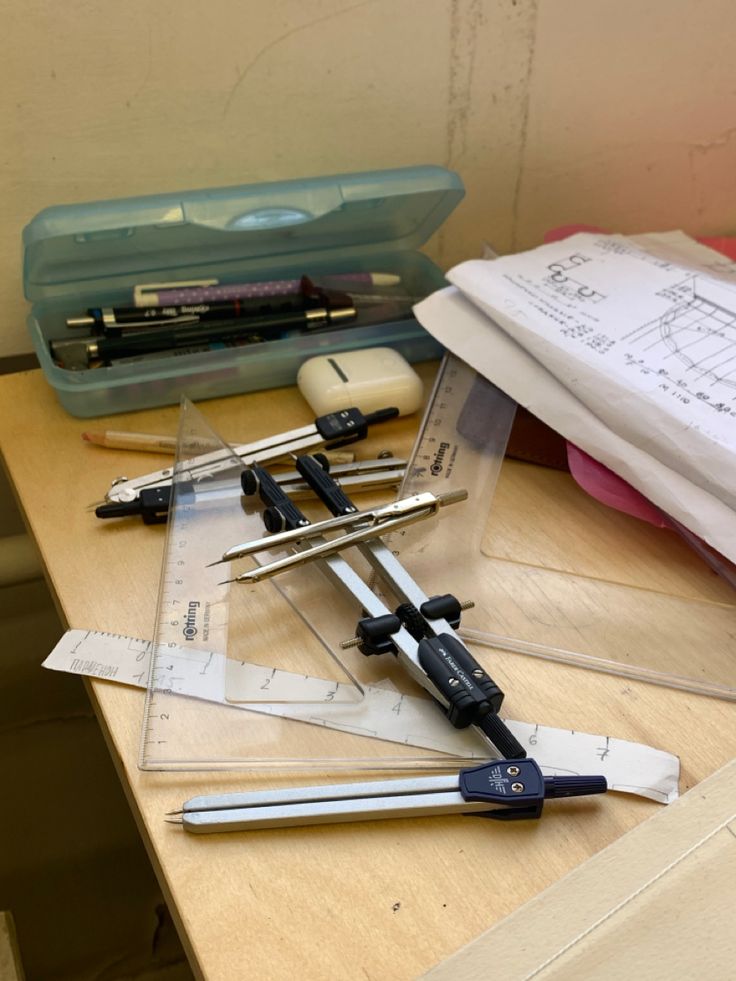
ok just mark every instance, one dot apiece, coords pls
pixel 118 330
pixel 142 290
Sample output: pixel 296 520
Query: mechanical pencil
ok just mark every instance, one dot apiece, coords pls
pixel 77 355
pixel 208 290
pixel 112 321
pixel 186 350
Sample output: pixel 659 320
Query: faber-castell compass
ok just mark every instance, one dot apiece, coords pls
pixel 421 631
pixel 504 790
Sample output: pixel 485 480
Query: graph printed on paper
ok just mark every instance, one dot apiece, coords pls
pixel 692 346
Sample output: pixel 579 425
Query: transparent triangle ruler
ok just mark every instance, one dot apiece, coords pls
pixel 263 647
pixel 527 606
pixel 205 633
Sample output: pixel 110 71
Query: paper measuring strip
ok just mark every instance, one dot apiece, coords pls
pixel 382 713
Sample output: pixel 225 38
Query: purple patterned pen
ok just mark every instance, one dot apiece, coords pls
pixel 208 291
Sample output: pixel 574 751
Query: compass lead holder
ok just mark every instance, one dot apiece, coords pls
pixel 421 631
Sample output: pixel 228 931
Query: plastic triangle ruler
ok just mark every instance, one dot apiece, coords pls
pixel 207 634
pixel 531 607
pixel 220 648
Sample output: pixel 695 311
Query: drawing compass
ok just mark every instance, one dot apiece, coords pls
pixel 504 790
pixel 152 503
pixel 420 631
pixel 332 430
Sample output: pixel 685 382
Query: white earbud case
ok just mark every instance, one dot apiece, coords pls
pixel 371 379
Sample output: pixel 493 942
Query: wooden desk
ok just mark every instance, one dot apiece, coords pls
pixel 383 900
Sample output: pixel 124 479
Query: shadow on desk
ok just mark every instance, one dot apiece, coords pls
pixel 73 870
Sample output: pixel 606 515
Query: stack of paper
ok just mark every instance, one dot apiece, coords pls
pixel 625 346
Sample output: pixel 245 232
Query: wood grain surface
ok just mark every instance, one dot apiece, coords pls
pixel 371 901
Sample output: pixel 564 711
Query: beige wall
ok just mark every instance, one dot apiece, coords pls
pixel 614 112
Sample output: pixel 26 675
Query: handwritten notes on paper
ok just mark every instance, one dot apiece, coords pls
pixel 639 334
